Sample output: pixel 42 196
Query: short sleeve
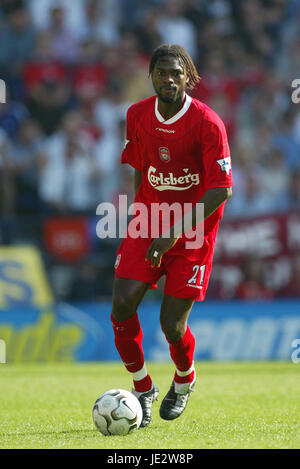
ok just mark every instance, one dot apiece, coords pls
pixel 130 153
pixel 215 153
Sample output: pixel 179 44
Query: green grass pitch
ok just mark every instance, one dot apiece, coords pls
pixel 235 405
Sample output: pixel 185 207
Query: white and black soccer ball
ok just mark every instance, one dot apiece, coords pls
pixel 117 412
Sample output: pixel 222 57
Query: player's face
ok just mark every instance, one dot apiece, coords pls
pixel 169 79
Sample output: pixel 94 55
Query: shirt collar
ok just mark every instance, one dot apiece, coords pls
pixel 177 116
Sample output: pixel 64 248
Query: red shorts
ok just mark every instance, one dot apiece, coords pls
pixel 187 270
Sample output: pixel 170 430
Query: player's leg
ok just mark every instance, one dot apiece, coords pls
pixel 173 317
pixel 133 277
pixel 187 277
pixel 127 295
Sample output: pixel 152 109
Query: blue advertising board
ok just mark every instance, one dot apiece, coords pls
pixel 224 331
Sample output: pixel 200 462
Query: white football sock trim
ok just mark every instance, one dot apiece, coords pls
pixel 140 374
pixel 185 373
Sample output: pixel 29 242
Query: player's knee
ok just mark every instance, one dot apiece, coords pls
pixel 121 307
pixel 127 295
pixel 173 330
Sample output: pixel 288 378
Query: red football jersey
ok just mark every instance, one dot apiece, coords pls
pixel 181 157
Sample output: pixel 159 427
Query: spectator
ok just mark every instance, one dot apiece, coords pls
pixel 240 169
pixel 133 71
pixel 98 24
pixel 24 164
pixel 296 128
pixel 221 105
pixel 89 75
pixel 12 114
pixel 217 80
pixel 47 87
pixel 63 42
pixel 174 28
pixel 253 286
pixel 288 62
pixel 290 199
pixel 40 13
pixel 108 149
pixel 69 180
pixel 133 10
pixel 275 176
pixel 6 183
pixel 147 31
pixel 111 108
pixel 17 38
pixel 255 200
pixel 284 139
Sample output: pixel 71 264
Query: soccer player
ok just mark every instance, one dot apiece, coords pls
pixel 179 149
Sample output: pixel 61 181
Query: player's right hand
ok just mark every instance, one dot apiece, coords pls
pixel 157 249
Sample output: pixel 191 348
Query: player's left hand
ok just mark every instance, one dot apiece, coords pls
pixel 157 249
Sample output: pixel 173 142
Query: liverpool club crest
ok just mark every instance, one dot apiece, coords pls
pixel 164 154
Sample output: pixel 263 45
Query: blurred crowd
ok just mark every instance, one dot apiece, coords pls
pixel 72 68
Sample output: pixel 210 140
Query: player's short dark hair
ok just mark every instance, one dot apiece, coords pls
pixel 182 55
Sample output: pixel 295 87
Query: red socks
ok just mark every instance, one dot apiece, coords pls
pixel 128 340
pixel 182 354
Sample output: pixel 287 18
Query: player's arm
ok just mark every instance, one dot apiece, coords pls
pixel 212 199
pixel 137 179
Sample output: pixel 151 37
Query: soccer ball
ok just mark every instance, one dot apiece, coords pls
pixel 117 412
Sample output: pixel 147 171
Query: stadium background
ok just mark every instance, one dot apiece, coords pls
pixel 71 70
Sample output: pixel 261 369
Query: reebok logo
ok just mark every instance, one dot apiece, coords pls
pixel 165 130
